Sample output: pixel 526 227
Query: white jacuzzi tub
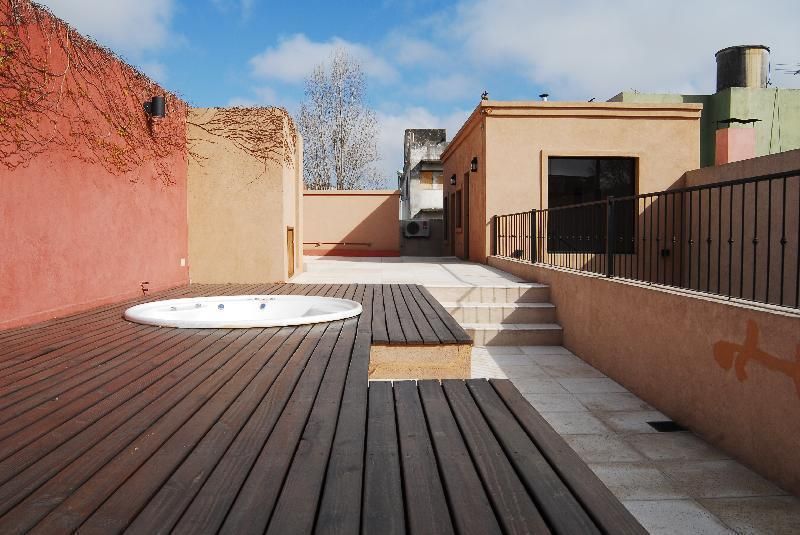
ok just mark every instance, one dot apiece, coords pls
pixel 243 311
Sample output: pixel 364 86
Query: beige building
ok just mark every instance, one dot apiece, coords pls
pixel 245 195
pixel 515 156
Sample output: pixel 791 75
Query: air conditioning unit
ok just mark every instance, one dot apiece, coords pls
pixel 416 228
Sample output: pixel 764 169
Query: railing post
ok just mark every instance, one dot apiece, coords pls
pixel 533 236
pixel 610 233
pixel 496 233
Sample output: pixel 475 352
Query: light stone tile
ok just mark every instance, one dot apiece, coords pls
pixel 575 423
pixel 602 448
pixel 522 371
pixel 613 401
pixel 591 385
pixel 554 402
pixel 675 517
pixel 636 481
pixel 630 421
pixel 718 479
pixel 564 369
pixel 777 515
pixel 680 446
pixel 537 385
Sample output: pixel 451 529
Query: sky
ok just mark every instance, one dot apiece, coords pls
pixel 427 61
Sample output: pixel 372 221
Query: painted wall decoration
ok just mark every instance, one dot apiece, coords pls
pixel 732 355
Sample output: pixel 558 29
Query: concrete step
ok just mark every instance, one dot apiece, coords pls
pixel 516 293
pixel 514 334
pixel 467 312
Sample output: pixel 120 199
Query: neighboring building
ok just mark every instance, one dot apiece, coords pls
pixel 514 156
pixel 771 115
pixel 420 183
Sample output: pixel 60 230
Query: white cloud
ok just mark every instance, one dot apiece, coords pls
pixel 449 88
pixel 392 127
pixel 412 51
pixel 262 96
pixel 155 70
pixel 245 7
pixel 128 26
pixel 295 58
pixel 585 48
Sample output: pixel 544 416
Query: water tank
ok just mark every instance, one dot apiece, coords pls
pixel 742 66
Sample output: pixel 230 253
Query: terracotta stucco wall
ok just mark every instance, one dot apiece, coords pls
pixel 351 223
pixel 241 204
pixel 81 223
pixel 519 137
pixel 680 352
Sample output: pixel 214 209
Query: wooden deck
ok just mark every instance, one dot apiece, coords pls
pixel 108 426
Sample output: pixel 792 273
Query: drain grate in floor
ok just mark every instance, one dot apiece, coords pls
pixel 666 426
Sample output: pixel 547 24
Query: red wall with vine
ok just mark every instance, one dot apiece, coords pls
pixel 92 193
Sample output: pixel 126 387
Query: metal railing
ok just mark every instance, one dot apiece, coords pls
pixel 737 239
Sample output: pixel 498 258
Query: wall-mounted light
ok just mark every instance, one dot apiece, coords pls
pixel 453 180
pixel 156 107
pixel 473 165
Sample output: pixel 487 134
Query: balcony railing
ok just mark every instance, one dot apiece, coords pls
pixel 737 239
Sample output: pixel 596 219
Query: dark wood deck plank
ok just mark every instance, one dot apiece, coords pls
pixel 181 465
pixel 442 332
pixel 114 431
pixel 268 430
pixel 471 511
pixel 255 502
pixel 68 419
pixel 515 510
pixel 562 512
pixel 422 324
pixel 383 509
pixel 296 508
pixel 425 502
pixel 340 506
pixel 379 333
pixel 393 327
pixel 407 321
pixel 452 325
pixel 601 504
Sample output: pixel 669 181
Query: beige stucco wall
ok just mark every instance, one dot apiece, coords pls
pixel 516 139
pixel 661 344
pixel 353 223
pixel 239 205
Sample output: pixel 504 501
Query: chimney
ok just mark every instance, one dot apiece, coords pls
pixel 544 96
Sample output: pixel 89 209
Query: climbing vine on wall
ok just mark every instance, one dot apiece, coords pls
pixel 62 91
pixel 265 134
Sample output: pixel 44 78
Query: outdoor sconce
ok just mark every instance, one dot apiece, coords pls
pixel 453 180
pixel 156 107
pixel 473 165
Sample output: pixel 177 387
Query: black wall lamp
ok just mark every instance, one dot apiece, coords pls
pixel 156 107
pixel 453 180
pixel 473 165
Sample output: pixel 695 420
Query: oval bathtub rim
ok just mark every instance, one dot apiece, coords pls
pixel 138 313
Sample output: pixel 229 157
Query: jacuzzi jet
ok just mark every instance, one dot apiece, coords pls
pixel 238 312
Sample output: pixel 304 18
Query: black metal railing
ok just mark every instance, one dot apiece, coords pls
pixel 737 239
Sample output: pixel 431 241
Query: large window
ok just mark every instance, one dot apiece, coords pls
pixel 573 181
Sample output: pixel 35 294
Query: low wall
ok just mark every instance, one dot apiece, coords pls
pixel 351 223
pixel 728 371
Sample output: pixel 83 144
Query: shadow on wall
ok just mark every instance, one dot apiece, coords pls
pixel 356 223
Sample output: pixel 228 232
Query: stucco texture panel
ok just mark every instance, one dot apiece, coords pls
pixel 351 223
pixel 93 203
pixel 729 372
pixel 240 202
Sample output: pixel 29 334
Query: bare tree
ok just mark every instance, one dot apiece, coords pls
pixel 339 131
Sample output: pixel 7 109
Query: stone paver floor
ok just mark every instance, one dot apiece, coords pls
pixel 672 482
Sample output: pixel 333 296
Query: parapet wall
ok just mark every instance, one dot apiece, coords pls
pixel 728 371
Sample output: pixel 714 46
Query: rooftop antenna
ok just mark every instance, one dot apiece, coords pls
pixel 788 68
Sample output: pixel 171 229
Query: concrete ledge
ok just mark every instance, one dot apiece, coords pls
pixel 420 361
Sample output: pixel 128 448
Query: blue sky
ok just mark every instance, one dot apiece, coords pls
pixel 427 61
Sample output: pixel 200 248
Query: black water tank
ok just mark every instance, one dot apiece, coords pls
pixel 742 66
